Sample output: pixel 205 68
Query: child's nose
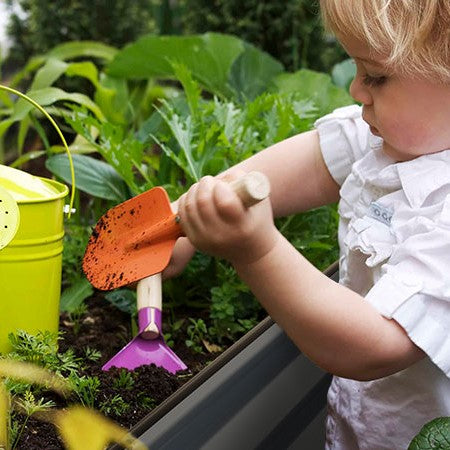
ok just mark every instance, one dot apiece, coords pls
pixel 359 91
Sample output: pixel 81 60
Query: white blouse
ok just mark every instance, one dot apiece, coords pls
pixel 394 236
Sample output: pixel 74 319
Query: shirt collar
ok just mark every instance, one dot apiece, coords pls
pixel 424 175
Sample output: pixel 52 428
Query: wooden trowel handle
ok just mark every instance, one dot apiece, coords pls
pixel 251 188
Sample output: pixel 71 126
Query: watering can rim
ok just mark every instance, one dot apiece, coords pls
pixel 64 190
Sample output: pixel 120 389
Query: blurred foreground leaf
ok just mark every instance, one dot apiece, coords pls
pixel 29 373
pixel 82 428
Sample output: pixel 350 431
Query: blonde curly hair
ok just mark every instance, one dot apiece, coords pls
pixel 413 34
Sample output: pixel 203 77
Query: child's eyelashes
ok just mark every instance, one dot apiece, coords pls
pixel 372 81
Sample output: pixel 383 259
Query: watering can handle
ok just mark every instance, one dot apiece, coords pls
pixel 55 126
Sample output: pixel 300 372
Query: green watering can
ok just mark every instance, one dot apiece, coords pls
pixel 31 244
pixel 9 217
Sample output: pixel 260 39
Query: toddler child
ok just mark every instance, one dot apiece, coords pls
pixel 383 330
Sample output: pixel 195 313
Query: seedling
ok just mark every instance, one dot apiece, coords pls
pixel 124 381
pixel 196 332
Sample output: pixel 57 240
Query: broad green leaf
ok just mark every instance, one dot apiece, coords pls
pixel 343 73
pixel 4 125
pixel 85 69
pixel 24 126
pixel 252 72
pixel 314 86
pixel 82 148
pixel 48 74
pixel 77 49
pixel 66 51
pixel 92 176
pixel 48 96
pixel 209 57
pixel 75 295
pixel 29 156
pixel 113 98
pixel 434 435
pixel 32 65
pixel 5 99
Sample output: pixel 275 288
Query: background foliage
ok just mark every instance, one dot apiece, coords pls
pixel 167 110
pixel 45 24
pixel 290 30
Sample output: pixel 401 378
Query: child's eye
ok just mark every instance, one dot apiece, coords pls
pixel 372 81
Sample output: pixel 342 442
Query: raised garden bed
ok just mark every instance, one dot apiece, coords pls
pixel 261 391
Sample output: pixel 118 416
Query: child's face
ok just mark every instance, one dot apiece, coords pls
pixel 411 115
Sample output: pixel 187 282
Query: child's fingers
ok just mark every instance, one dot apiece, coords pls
pixel 228 204
pixel 204 199
pixel 186 211
pixel 196 206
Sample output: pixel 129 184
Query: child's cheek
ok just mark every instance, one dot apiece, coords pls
pixel 406 135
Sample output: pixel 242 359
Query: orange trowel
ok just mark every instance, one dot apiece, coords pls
pixel 135 239
pixel 133 242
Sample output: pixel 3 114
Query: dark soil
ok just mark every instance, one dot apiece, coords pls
pixel 106 329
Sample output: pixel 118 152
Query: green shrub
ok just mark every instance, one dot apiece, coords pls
pixel 46 24
pixel 290 31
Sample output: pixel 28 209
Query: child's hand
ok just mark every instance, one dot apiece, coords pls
pixel 215 220
pixel 181 255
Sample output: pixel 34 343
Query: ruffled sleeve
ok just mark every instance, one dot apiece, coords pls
pixel 344 139
pixel 414 287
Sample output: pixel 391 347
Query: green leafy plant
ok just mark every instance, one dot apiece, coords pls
pixel 114 405
pixel 91 354
pixel 75 317
pixel 146 401
pixel 196 331
pixel 28 406
pixel 125 380
pixel 195 136
pixel 228 102
pixel 42 349
pixel 75 241
pixel 433 435
pixel 86 388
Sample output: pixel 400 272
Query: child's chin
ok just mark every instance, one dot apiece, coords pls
pixel 395 154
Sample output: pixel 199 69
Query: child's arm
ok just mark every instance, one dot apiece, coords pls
pixel 299 181
pixel 297 173
pixel 332 325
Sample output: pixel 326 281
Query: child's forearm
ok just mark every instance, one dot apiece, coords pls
pixel 332 325
pixel 297 173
